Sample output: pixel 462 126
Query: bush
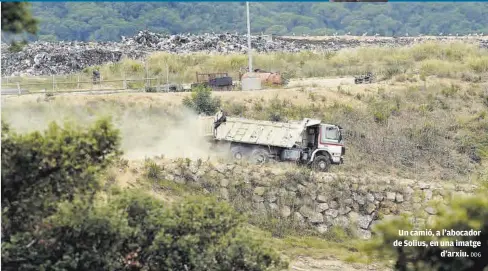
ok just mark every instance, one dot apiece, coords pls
pixel 55 215
pixel 38 170
pixel 133 231
pixel 382 110
pixel 16 47
pixel 201 101
pixel 152 170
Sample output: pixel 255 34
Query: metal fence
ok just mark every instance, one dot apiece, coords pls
pixel 77 83
pixel 43 84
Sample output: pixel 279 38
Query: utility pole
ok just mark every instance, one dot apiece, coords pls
pixel 249 38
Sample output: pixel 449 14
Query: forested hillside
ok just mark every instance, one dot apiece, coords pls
pixel 108 21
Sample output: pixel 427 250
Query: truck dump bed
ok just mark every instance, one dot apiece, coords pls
pixel 278 134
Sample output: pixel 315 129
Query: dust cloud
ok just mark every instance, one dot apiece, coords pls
pixel 180 137
pixel 145 132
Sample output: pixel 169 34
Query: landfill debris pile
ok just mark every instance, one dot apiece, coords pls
pixel 43 58
pixel 46 58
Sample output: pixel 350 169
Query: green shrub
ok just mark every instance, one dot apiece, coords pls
pixel 133 231
pixel 201 101
pixel 340 234
pixel 152 170
pixel 382 110
pixel 16 47
pixel 392 70
pixel 38 170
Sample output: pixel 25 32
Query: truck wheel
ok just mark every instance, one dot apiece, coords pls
pixel 237 153
pixel 321 163
pixel 259 156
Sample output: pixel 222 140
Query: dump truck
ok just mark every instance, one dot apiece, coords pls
pixel 310 142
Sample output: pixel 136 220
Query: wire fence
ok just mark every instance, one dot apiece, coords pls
pixel 44 84
pixel 85 83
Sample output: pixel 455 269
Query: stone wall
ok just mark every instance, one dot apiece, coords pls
pixel 317 200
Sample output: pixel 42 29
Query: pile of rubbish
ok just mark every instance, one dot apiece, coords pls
pixel 45 58
pixel 214 43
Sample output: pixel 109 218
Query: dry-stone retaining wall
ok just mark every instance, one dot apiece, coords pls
pixel 318 200
pixel 44 58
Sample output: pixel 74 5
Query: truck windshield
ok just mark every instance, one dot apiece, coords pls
pixel 330 133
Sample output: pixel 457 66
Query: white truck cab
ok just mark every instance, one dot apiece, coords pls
pixel 323 145
pixel 330 139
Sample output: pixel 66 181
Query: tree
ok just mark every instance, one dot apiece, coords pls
pixel 201 101
pixel 17 19
pixel 463 214
pixel 96 20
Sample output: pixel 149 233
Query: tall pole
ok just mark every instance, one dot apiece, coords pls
pixel 249 37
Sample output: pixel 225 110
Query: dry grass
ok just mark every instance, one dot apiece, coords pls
pixel 435 58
